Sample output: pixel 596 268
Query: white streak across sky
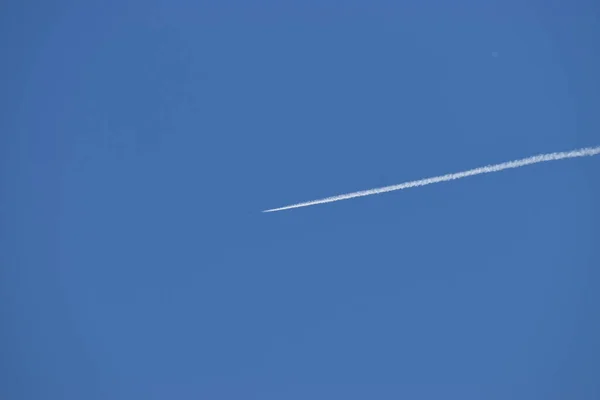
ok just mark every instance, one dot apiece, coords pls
pixel 585 152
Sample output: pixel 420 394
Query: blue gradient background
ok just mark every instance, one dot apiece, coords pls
pixel 139 141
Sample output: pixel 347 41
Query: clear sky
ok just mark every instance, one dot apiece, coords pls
pixel 140 141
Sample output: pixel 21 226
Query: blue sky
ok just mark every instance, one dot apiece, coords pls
pixel 141 139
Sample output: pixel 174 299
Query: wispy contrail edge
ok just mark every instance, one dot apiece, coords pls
pixel 584 152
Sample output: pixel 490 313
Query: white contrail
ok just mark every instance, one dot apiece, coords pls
pixel 585 152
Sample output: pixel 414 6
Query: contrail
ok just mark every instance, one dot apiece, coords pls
pixel 585 152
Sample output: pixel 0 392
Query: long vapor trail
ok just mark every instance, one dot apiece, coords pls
pixel 585 152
